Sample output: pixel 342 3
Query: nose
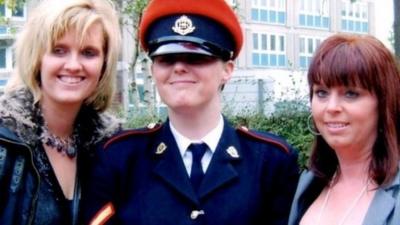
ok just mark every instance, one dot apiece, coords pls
pixel 333 103
pixel 73 63
pixel 180 67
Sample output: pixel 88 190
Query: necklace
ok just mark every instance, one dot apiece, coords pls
pixel 66 146
pixel 349 210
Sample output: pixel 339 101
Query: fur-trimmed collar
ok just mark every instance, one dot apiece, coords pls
pixel 21 116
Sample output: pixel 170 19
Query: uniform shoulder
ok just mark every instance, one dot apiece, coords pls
pixel 265 137
pixel 125 134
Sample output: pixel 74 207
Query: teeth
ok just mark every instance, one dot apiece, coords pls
pixel 336 125
pixel 71 79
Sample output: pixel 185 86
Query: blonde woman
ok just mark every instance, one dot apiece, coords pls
pixel 52 114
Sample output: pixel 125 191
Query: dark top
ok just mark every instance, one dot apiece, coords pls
pixel 53 207
pixel 140 174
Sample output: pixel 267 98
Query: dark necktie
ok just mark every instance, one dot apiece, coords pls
pixel 197 173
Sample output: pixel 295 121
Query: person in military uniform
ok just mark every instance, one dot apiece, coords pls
pixel 195 168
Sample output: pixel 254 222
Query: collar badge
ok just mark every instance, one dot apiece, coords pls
pixel 183 26
pixel 161 148
pixel 232 152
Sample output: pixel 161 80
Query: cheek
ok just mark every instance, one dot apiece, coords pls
pixel 315 108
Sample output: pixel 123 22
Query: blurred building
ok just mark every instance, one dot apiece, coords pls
pixel 11 22
pixel 280 39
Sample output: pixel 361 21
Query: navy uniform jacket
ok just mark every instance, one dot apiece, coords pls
pixel 140 179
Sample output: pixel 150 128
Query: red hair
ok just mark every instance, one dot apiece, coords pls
pixel 360 61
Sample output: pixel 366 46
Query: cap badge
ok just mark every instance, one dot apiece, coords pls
pixel 183 26
pixel 161 148
pixel 232 152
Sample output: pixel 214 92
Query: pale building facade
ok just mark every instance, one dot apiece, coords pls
pixel 280 37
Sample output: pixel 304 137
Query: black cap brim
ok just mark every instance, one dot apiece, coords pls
pixel 179 48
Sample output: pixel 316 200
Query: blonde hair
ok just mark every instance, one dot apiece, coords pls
pixel 49 21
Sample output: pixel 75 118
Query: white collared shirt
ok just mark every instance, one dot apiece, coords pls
pixel 211 139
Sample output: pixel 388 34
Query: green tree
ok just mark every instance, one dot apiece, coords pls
pixel 130 17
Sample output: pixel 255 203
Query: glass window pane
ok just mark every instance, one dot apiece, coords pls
pixel 18 11
pixel 263 15
pixel 254 14
pixel 303 62
pixel 272 43
pixel 302 45
pixel 272 16
pixel 264 42
pixel 318 21
pixel 273 60
pixel 255 41
pixel 2 10
pixel 3 58
pixel 281 17
pixel 282 43
pixel 325 22
pixel 302 20
pixel 310 46
pixel 264 59
pixel 255 59
pixel 282 60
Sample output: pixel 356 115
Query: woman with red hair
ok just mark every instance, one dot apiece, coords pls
pixel 353 175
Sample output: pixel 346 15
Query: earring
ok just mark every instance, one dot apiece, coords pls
pixel 311 127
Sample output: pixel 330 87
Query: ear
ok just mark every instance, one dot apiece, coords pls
pixel 227 71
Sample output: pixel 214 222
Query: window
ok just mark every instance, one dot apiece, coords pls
pixel 314 13
pixel 269 11
pixel 3 58
pixel 307 47
pixel 354 17
pixel 18 12
pixel 269 50
pixel 3 82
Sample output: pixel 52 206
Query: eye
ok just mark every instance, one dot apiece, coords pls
pixel 320 93
pixel 197 59
pixel 59 50
pixel 351 94
pixel 164 60
pixel 90 52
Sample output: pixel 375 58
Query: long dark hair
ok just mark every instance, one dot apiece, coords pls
pixel 362 61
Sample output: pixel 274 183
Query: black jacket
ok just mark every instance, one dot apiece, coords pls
pixel 29 191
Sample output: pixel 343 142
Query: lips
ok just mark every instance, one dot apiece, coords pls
pixel 71 79
pixel 182 82
pixel 336 124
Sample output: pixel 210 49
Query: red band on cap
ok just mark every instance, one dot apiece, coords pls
pixel 217 10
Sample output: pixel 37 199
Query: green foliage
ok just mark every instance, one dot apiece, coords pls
pixel 291 126
pixel 134 8
pixel 137 118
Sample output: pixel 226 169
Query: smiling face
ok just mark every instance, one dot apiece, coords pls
pixel 346 117
pixel 190 82
pixel 70 71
